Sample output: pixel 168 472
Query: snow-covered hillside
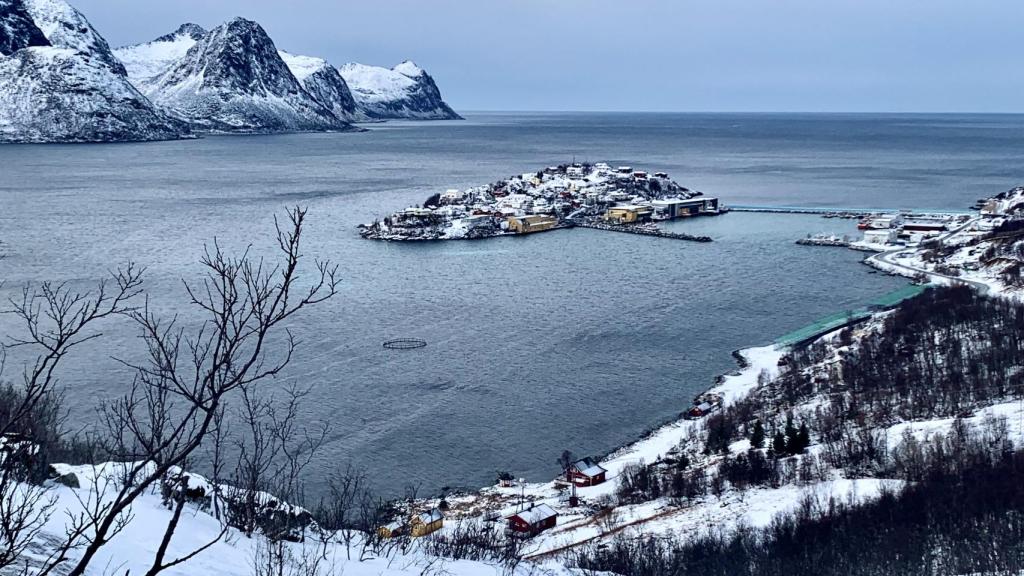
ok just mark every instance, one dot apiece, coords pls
pixel 405 91
pixel 325 84
pixel 67 86
pixel 233 79
pixel 230 552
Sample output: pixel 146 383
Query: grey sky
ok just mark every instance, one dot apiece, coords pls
pixel 703 55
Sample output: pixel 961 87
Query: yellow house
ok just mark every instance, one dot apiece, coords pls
pixel 532 223
pixel 628 214
pixel 426 523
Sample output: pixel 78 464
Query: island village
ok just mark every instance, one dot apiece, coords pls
pixel 587 195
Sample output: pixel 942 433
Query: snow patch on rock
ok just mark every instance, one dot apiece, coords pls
pixel 144 61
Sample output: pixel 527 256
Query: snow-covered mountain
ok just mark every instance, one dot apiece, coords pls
pixel 59 81
pixel 233 79
pixel 325 84
pixel 405 91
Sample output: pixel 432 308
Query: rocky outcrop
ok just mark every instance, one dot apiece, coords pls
pixel 405 91
pixel 17 30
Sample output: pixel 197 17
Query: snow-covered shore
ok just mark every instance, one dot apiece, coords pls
pixel 579 525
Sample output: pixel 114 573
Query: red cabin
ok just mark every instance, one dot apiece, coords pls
pixel 586 472
pixel 533 520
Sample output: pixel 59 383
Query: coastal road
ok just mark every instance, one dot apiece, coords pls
pixel 886 258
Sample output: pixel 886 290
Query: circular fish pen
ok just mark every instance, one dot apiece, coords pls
pixel 405 344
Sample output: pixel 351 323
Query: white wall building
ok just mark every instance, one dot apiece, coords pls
pixel 880 237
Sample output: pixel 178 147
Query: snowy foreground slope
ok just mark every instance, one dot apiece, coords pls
pixel 234 554
pixel 59 81
pixel 405 91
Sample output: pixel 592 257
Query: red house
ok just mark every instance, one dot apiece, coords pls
pixel 533 520
pixel 586 472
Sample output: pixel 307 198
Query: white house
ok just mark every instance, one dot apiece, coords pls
pixel 880 236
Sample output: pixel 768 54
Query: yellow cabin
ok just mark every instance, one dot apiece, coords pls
pixel 426 523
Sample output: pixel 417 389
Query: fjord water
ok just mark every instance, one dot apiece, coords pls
pixel 573 339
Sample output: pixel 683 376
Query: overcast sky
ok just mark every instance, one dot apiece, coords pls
pixel 671 55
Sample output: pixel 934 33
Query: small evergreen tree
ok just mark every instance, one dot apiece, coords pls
pixel 779 444
pixel 792 440
pixel 803 438
pixel 757 436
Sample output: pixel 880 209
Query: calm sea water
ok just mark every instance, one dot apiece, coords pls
pixel 574 339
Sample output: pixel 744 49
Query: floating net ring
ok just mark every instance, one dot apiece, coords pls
pixel 405 344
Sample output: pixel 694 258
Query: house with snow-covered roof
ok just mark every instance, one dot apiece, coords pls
pixel 426 523
pixel 533 520
pixel 586 472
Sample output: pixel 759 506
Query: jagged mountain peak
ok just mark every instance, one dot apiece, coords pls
pixel 66 27
pixel 238 24
pixel 188 30
pixel 409 68
pixel 233 78
pixel 238 53
pixel 17 30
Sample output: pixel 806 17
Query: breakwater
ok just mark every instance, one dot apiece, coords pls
pixel 643 230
